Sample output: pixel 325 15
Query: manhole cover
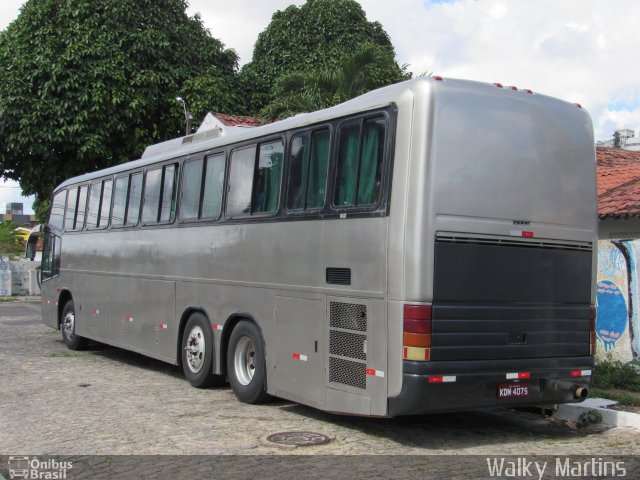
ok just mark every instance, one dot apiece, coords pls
pixel 299 439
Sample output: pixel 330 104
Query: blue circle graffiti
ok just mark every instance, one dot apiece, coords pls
pixel 612 314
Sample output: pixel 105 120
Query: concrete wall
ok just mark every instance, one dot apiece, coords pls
pixel 18 278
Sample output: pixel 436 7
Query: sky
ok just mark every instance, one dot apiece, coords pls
pixel 583 51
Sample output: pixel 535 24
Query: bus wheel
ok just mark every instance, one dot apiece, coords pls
pixel 68 327
pixel 197 352
pixel 246 363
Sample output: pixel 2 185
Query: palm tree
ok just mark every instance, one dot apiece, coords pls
pixel 358 73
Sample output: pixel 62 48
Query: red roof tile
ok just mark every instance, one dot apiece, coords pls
pixel 618 182
pixel 240 120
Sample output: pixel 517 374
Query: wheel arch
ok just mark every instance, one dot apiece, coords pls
pixel 63 298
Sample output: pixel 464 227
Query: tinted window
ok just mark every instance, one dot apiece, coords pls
pixel 93 212
pixel 57 209
pixel 120 201
pixel 70 211
pixel 169 191
pixel 191 188
pixel 160 195
pixel 135 197
pixel 213 187
pixel 308 170
pixel 266 192
pixel 82 206
pixel 360 157
pixel 153 183
pixel 240 181
pixel 105 205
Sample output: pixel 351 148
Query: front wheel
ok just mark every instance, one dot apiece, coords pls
pixel 68 327
pixel 246 363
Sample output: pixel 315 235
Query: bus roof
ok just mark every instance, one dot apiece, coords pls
pixel 381 97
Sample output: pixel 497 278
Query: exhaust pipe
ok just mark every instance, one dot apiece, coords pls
pixel 580 393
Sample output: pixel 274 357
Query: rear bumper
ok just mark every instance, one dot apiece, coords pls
pixel 476 384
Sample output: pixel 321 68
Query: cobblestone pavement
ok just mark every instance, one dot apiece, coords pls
pixel 106 401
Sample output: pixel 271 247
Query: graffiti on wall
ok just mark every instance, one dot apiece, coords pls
pixel 617 291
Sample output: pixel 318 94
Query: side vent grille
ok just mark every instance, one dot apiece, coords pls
pixel 339 276
pixel 348 344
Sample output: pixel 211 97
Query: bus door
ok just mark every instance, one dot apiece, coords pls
pixel 48 276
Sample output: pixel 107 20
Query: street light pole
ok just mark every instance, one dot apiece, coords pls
pixel 187 115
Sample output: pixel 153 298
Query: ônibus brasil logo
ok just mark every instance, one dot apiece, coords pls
pixel 37 469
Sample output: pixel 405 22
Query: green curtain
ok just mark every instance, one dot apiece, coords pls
pixel 347 165
pixel 368 186
pixel 318 164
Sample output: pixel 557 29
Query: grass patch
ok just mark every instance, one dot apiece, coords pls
pixel 65 354
pixel 620 396
pixel 612 374
pixel 6 299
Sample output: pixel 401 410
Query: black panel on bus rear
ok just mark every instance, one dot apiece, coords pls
pixel 502 301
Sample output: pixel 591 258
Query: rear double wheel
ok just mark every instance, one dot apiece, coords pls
pixel 197 352
pixel 246 367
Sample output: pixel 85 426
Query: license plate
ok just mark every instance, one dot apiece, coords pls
pixel 513 390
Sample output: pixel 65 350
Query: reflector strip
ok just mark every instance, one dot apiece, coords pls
pixel 375 373
pixel 298 356
pixel 442 379
pixel 521 233
pixel 517 375
pixel 164 326
pixel 129 318
pixel 48 302
pixel 580 373
pixel 96 312
pixel 216 326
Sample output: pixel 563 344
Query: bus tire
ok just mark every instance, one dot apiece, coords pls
pixel 197 352
pixel 68 328
pixel 246 367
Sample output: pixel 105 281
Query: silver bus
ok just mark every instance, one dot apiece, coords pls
pixel 426 247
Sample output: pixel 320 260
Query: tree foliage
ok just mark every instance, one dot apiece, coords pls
pixel 85 84
pixel 305 92
pixel 11 244
pixel 314 37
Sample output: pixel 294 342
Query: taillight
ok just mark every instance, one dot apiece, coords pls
pixel 417 333
pixel 592 330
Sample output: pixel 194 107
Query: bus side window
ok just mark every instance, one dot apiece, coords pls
pixel 308 170
pixel 266 190
pixel 240 181
pixel 99 204
pixel 135 197
pixel 70 211
pixel 119 201
pixel 360 158
pixel 82 206
pixel 213 186
pixel 160 195
pixel 57 209
pixel 191 189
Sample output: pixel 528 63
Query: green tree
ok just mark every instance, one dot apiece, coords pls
pixel 10 242
pixel 316 36
pixel 86 84
pixel 306 92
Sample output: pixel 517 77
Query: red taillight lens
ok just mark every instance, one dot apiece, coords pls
pixel 417 332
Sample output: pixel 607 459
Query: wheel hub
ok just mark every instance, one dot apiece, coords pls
pixel 67 325
pixel 195 349
pixel 245 360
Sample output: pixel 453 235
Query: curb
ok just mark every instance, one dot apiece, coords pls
pixel 614 418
